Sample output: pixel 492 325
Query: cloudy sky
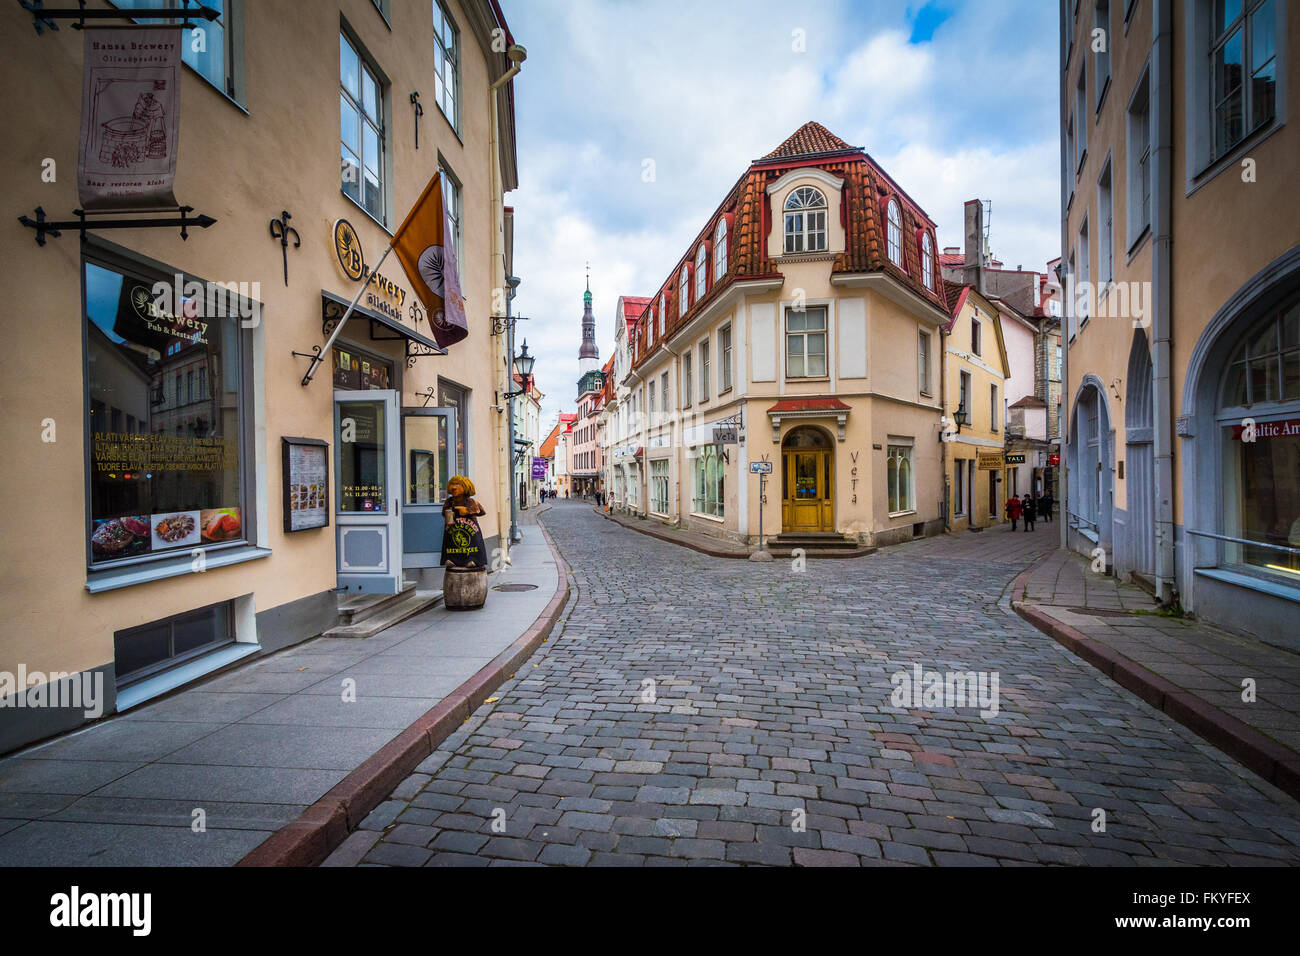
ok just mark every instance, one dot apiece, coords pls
pixel 956 99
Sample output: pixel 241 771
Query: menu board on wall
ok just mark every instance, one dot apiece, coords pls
pixel 306 483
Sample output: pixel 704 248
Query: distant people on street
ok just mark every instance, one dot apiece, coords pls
pixel 1013 511
pixel 1029 510
pixel 566 494
pixel 1045 506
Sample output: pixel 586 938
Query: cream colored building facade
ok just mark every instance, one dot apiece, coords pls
pixel 801 331
pixel 263 122
pixel 1179 149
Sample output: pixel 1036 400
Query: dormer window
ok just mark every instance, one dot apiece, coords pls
pixel 895 233
pixel 683 291
pixel 701 272
pixel 663 312
pixel 720 251
pixel 927 261
pixel 805 221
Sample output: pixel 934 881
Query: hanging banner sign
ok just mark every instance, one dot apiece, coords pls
pixel 1015 459
pixel 539 469
pixel 130 119
pixel 990 461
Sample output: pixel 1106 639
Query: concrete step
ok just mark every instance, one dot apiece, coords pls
pixel 415 601
pixel 819 541
pixel 785 551
pixel 356 608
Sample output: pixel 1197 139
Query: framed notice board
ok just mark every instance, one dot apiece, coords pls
pixel 306 473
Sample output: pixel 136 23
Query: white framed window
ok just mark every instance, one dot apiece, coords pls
pixel 900 479
pixel 995 409
pixel 959 489
pixel 446 64
pixel 652 402
pixel 361 129
pixel 805 221
pixel 216 58
pixel 895 218
pixel 687 382
pixel 1072 306
pixel 724 358
pixel 701 272
pixel 663 392
pixel 659 487
pixel 923 361
pixel 704 370
pixel 1138 161
pixel 709 485
pixel 805 342
pixel 1085 272
pixel 663 312
pixel 1105 229
pixel 927 261
pixel 1081 111
pixel 1069 159
pixel 976 336
pixel 452 202
pixel 720 251
pixel 963 398
pixel 684 291
pixel 1243 70
pixel 1101 58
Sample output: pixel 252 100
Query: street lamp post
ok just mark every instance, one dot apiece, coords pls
pixel 523 364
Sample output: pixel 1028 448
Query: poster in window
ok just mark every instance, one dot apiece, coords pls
pixel 306 483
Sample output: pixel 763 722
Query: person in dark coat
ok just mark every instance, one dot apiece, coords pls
pixel 1013 511
pixel 1045 506
pixel 1029 510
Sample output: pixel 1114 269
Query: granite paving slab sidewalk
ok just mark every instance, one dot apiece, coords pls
pixel 1207 662
pixel 255 746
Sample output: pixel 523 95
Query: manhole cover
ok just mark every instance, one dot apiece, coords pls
pixel 515 587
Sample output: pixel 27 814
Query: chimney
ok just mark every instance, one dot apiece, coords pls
pixel 972 270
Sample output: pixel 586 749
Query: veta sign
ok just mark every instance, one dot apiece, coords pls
pixel 347 246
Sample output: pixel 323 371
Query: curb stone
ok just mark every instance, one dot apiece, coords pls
pixel 328 822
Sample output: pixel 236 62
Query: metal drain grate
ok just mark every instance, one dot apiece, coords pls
pixel 515 587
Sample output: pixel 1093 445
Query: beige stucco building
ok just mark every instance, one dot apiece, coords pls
pixel 1182 251
pixel 163 543
pixel 800 330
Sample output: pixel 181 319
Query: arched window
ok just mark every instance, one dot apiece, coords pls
pixel 701 272
pixel 805 221
pixel 927 261
pixel 895 233
pixel 663 312
pixel 684 291
pixel 720 251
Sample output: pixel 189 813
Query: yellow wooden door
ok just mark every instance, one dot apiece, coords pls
pixel 809 503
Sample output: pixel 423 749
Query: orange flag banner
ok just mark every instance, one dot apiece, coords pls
pixel 426 247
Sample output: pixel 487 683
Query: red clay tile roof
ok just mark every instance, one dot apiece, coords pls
pixel 809 405
pixel 1030 401
pixel 548 447
pixel 810 139
pixel 949 259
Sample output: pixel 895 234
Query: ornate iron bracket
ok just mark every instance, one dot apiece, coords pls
pixel 283 236
pixel 43 19
pixel 419 111
pixel 427 395
pixel 501 323
pixel 45 228
pixel 416 313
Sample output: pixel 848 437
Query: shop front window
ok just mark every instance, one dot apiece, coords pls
pixel 659 487
pixel 164 459
pixel 453 396
pixel 709 483
pixel 1260 421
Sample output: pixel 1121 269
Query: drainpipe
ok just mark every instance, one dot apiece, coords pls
pixel 943 414
pixel 1162 60
pixel 505 381
pixel 1064 505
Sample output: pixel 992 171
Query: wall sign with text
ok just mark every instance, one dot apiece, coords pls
pixel 306 483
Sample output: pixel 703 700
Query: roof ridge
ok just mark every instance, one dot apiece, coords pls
pixel 810 139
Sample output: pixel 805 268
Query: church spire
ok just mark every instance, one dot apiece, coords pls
pixel 588 354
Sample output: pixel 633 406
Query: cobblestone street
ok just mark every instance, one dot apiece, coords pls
pixel 773 711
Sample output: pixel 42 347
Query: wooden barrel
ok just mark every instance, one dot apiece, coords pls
pixel 464 589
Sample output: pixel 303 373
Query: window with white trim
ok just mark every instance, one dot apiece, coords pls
pixel 684 291
pixel 720 251
pixel 663 392
pixel 1101 58
pixel 805 221
pixel 663 312
pixel 704 370
pixel 724 358
pixel 923 361
pixel 659 486
pixel 709 483
pixel 446 64
pixel 701 272
pixel 686 379
pixel 1081 111
pixel 1138 161
pixel 895 218
pixel 805 342
pixel 210 48
pixel 900 479
pixel 1105 229
pixel 927 261
pixel 1243 70
pixel 361 129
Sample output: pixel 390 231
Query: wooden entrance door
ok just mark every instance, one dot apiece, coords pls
pixel 809 502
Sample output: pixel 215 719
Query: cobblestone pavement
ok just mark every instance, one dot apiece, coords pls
pixel 774 740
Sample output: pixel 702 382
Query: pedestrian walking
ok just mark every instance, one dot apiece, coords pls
pixel 1045 506
pixel 1029 511
pixel 1013 511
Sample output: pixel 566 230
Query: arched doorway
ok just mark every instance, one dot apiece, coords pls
pixel 1091 488
pixel 808 481
pixel 1140 478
